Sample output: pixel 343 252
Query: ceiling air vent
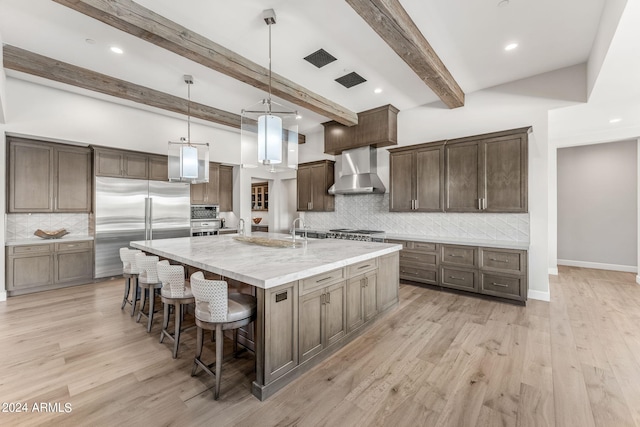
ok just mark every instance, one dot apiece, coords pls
pixel 320 58
pixel 351 79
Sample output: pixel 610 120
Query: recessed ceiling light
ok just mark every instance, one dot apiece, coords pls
pixel 616 120
pixel 298 117
pixel 511 46
pixel 90 41
pixel 503 3
pixel 377 90
pixel 116 49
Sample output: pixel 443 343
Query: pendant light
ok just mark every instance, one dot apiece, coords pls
pixel 270 126
pixel 188 161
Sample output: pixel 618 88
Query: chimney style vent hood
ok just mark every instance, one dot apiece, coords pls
pixel 356 170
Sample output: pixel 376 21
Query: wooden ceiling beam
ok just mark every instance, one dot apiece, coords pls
pixel 28 62
pixel 392 22
pixel 141 22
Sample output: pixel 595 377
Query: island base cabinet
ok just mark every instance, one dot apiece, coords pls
pixel 362 300
pixel 322 319
pixel 387 281
pixel 279 331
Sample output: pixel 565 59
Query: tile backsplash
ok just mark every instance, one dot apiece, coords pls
pixel 22 226
pixel 371 211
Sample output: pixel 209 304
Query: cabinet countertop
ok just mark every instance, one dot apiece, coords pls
pixel 265 267
pixel 39 241
pixel 502 244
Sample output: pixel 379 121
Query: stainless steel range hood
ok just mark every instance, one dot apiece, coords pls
pixel 356 172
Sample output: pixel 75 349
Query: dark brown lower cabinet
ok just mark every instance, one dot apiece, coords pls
pixel 32 268
pixel 496 272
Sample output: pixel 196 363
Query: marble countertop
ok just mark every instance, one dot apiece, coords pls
pixel 38 241
pixel 505 244
pixel 265 267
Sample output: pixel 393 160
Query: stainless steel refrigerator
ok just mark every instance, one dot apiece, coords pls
pixel 134 209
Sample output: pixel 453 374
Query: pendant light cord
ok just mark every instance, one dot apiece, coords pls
pixel 269 101
pixel 189 113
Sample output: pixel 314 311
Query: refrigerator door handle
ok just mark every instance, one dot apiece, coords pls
pixel 150 218
pixel 147 221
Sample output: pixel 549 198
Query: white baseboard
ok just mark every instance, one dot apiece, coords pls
pixel 3 295
pixel 539 295
pixel 598 265
pixel 553 271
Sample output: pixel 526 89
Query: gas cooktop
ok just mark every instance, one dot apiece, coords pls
pixel 354 231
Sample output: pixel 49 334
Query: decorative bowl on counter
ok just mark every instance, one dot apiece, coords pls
pixel 56 234
pixel 257 220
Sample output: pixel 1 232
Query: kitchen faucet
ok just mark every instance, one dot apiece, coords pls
pixel 241 226
pixel 293 229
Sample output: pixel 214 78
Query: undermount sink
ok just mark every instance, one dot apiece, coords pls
pixel 272 243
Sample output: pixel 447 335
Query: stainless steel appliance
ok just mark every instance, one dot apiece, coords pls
pixel 352 234
pixel 134 209
pixel 204 220
pixel 345 234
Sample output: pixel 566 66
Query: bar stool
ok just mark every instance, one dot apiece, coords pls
pixel 174 293
pixel 148 282
pixel 218 310
pixel 129 272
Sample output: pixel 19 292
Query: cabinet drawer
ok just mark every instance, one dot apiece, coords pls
pixel 458 255
pixel 323 279
pixel 362 267
pixel 414 257
pixel 458 279
pixel 423 246
pixel 419 274
pixel 73 246
pixel 405 244
pixel 30 249
pixel 502 286
pixel 502 260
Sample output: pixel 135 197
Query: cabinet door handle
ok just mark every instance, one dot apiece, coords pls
pixel 328 298
pixel 409 257
pixel 323 299
pixel 417 204
pixel 456 256
pixel 323 279
pixel 479 204
pixel 364 266
pixel 499 284
pixel 484 203
pixel 456 278
pixel 506 261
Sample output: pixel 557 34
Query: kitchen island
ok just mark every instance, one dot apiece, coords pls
pixel 312 299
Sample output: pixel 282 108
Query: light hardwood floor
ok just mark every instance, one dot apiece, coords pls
pixel 439 359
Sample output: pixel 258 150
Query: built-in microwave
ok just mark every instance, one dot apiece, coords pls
pixel 205 211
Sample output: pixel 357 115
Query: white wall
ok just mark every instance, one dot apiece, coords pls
pixel 597 206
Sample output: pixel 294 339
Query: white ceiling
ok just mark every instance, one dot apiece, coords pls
pixel 468 35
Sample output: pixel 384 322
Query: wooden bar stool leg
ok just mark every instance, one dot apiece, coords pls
pixel 199 343
pixel 143 303
pixel 127 286
pixel 165 321
pixel 152 299
pixel 135 297
pixel 219 341
pixel 178 325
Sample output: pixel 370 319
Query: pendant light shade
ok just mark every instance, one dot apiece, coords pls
pixel 188 161
pixel 269 139
pixel 269 129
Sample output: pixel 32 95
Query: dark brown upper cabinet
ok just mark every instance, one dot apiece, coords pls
pixel 47 177
pixel 313 182
pixel 377 127
pixel 482 173
pixel 488 173
pixel 121 163
pixel 417 179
